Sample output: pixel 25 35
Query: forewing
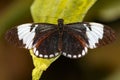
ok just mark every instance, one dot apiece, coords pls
pixel 26 35
pixel 98 34
pixel 94 34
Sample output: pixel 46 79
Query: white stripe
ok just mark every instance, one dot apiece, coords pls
pixel 98 34
pixel 92 37
pixel 26 35
pixel 96 38
pixel 20 36
pixel 29 41
pixel 94 34
pixel 26 38
pixel 30 45
pixel 91 41
pixel 23 29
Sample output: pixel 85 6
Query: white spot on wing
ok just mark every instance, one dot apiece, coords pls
pixel 36 25
pixel 83 52
pixel 40 55
pixel 74 56
pixel 64 53
pixel 79 55
pixel 45 56
pixel 86 49
pixel 56 54
pixel 34 50
pixel 69 55
pixel 51 55
pixel 36 53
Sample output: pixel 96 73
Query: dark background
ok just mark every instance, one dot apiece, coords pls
pixel 99 64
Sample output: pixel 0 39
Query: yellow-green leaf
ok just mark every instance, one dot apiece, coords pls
pixel 51 10
pixel 40 65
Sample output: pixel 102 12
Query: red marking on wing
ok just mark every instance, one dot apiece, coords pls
pixel 79 38
pixel 44 37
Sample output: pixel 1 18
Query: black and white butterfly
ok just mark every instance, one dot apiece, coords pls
pixel 50 40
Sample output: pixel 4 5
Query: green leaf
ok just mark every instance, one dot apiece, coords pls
pixel 69 10
pixel 49 11
pixel 40 65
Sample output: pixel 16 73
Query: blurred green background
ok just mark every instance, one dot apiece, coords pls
pixel 99 64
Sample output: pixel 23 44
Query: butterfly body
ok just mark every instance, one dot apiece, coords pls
pixel 50 40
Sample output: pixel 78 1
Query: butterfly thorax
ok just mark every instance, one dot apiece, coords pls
pixel 60 25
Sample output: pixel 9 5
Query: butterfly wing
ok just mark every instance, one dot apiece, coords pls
pixel 98 34
pixel 48 47
pixel 87 35
pixel 73 47
pixel 21 35
pixel 95 34
pixel 34 36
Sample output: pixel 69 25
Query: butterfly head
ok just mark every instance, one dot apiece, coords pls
pixel 60 24
pixel 60 21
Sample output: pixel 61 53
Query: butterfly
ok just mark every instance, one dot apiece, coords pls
pixel 50 40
